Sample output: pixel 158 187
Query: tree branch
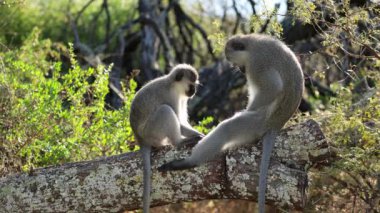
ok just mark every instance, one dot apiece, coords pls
pixel 273 14
pixel 179 12
pixel 238 17
pixel 108 19
pixel 253 5
pixel 161 35
pixel 82 10
pixel 114 184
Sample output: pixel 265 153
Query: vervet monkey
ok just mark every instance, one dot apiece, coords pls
pixel 159 116
pixel 275 86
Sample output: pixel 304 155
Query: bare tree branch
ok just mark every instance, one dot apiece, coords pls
pixel 74 28
pixel 253 5
pixel 108 19
pixel 179 12
pixel 79 14
pixel 238 17
pixel 162 37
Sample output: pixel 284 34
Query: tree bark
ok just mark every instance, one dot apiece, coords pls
pixel 114 184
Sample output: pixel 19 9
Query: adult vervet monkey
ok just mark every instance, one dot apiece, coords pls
pixel 275 86
pixel 159 116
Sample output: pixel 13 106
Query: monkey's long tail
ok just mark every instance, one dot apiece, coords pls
pixel 147 173
pixel 268 143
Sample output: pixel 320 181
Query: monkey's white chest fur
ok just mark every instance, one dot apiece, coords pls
pixel 252 91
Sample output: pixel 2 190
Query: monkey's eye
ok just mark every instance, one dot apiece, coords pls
pixel 238 46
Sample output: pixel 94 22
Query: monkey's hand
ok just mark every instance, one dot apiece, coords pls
pixel 189 132
pixel 176 165
pixel 191 141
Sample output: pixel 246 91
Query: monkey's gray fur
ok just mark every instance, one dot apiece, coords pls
pixel 275 86
pixel 159 116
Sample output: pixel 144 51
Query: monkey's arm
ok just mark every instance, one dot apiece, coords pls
pixel 186 129
pixel 243 128
pixel 271 87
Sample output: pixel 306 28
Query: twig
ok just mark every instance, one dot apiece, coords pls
pixel 74 29
pixel 253 5
pixel 178 10
pixel 93 23
pixel 119 30
pixel 264 27
pixel 108 19
pixel 238 17
pixel 82 10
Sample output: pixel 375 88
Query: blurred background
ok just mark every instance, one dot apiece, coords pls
pixel 70 68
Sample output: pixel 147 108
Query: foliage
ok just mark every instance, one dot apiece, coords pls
pixel 218 38
pixel 204 125
pixel 266 23
pixel 19 17
pixel 303 10
pixel 351 120
pixel 354 132
pixel 344 28
pixel 50 116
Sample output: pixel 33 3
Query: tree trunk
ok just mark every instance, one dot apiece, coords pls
pixel 148 41
pixel 114 184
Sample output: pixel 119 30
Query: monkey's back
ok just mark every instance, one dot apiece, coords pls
pixel 291 72
pixel 272 54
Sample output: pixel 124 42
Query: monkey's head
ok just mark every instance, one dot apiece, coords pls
pixel 185 79
pixel 238 49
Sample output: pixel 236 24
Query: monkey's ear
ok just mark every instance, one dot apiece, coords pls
pixel 179 75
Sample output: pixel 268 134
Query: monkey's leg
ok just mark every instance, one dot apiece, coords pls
pixel 163 123
pixel 241 129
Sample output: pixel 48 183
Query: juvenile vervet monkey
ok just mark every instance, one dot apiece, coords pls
pixel 275 86
pixel 159 116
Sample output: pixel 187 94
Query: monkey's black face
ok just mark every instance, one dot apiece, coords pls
pixel 242 69
pixel 237 46
pixel 234 45
pixel 189 74
pixel 236 52
pixel 191 91
pixel 185 80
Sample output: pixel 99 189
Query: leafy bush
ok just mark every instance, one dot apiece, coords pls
pixel 51 116
pixel 19 17
pixel 353 129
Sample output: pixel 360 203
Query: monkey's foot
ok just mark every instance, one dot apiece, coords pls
pixel 176 165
